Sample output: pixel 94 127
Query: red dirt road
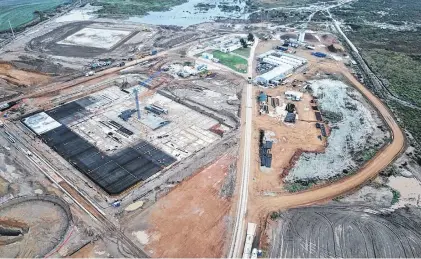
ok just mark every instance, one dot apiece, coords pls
pixel 261 206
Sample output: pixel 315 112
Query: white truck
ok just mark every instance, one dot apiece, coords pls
pixel 90 73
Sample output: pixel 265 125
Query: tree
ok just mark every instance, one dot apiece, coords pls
pixel 250 37
pixel 243 43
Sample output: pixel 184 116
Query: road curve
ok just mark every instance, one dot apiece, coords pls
pixel 264 205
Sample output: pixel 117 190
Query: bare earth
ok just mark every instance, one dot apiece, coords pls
pixel 21 77
pixel 191 220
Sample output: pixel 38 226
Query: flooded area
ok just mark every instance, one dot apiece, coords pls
pixel 195 12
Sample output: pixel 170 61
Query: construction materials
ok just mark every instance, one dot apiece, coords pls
pixel 251 232
pixel 290 117
pixel 265 151
pixel 318 116
pixel 125 115
pixel 156 109
pixel 319 54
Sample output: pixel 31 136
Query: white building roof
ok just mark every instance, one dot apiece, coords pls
pixel 293 93
pixel 277 71
pixel 41 123
pixel 266 54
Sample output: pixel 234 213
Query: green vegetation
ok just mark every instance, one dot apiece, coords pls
pixel 368 154
pixel 387 34
pixel 274 215
pixel 390 11
pixel 297 187
pixel 23 11
pixel 234 62
pixel 402 72
pixel 410 118
pixel 245 52
pixel 135 7
pixel 396 196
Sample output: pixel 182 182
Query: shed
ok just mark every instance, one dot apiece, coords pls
pixel 207 55
pixel 293 95
pixel 263 97
pixel 268 144
pixel 290 117
pixel 318 116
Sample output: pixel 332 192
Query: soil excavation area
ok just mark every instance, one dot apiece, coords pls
pixel 345 232
pixel 261 206
pixel 20 77
pixel 191 220
pixel 42 225
pixel 289 141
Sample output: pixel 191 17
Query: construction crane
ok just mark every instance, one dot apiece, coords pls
pixel 145 84
pixel 149 79
pixel 136 97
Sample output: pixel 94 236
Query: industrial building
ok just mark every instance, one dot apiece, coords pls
pixel 230 47
pixel 284 64
pixel 276 75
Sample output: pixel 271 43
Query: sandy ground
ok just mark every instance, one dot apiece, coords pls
pixel 288 140
pixel 260 205
pixel 409 189
pixel 20 77
pixel 46 223
pixel 190 221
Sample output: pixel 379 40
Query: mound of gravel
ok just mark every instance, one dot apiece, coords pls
pixel 354 131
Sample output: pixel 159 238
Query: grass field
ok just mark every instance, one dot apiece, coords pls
pixel 234 62
pixel 20 12
pixel 135 7
pixel 245 52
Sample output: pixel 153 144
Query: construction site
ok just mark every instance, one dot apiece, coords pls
pixel 122 139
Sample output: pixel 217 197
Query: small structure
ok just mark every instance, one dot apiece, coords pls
pixel 201 67
pixel 319 54
pixel 153 121
pixel 263 98
pixel 290 117
pixel 229 48
pixel 156 109
pixel 294 96
pixel 207 55
pixel 318 116
pixel 125 115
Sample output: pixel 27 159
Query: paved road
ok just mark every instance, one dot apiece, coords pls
pixel 240 223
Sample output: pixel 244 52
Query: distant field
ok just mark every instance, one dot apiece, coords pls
pixel 20 12
pixel 135 7
pixel 231 61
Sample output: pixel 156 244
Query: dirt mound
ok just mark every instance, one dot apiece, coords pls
pixel 20 77
pixel 335 48
pixel 289 35
pixel 33 226
pixel 310 37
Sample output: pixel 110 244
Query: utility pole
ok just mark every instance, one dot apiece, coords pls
pixel 13 33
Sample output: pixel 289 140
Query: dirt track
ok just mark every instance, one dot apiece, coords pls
pixel 20 77
pixel 261 206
